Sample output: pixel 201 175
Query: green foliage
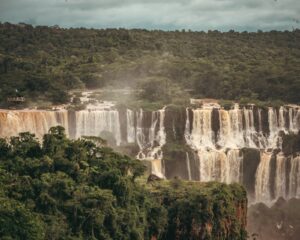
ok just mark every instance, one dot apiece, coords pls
pixel 78 189
pixel 203 211
pixel 156 89
pixel 44 63
pixel 226 104
pixel 18 222
pixel 67 189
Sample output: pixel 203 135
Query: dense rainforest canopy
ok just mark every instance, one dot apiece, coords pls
pixel 42 63
pixel 72 189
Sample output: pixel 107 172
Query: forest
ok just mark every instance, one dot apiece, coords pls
pixel 43 64
pixel 76 189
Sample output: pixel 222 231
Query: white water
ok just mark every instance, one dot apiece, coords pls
pixel 217 165
pixel 221 160
pixel 151 145
pixel 294 177
pixel 280 176
pixel 156 168
pixel 233 167
pixel 218 153
pixel 37 122
pixel 237 128
pixel 262 178
pixel 188 164
pixel 150 139
pixel 201 135
pixel 231 129
pixel 98 123
pixel 130 126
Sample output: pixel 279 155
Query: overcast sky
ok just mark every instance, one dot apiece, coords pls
pixel 222 15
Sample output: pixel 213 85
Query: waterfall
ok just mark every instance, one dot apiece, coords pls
pixel 160 137
pixel 210 165
pixel 140 136
pixel 231 128
pixel 260 121
pixel 188 164
pixel 281 119
pixel 99 123
pixel 156 168
pixel 222 160
pixel 294 177
pixel 187 133
pixel 202 134
pixel 280 176
pixel 130 126
pixel 37 122
pixel 217 138
pixel 151 139
pixel 233 166
pixel 262 183
pixel 220 166
pixel 273 127
pixel 250 132
pixel 151 145
pixel 294 119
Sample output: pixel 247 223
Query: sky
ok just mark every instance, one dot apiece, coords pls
pixel 197 15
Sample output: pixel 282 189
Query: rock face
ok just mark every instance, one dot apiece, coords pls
pixel 256 147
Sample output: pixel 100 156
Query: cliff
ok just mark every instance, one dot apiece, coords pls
pixel 202 211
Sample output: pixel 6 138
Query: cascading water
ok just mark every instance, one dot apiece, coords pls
pixel 222 160
pixel 280 176
pixel 274 128
pixel 188 164
pixel 156 168
pixel 151 139
pixel 233 166
pixel 99 123
pixel 216 136
pixel 294 119
pixel 231 128
pixel 37 122
pixel 212 165
pixel 218 165
pixel 294 177
pixel 262 178
pixel 130 126
pixel 201 134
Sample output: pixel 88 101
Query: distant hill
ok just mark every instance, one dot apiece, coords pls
pixel 43 63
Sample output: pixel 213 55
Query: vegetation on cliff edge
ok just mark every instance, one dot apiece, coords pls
pixel 73 189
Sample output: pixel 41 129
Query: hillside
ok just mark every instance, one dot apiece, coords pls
pixel 43 63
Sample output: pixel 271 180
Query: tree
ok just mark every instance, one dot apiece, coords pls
pixel 155 89
pixel 17 222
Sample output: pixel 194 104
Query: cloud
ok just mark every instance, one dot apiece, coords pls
pixel 156 14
